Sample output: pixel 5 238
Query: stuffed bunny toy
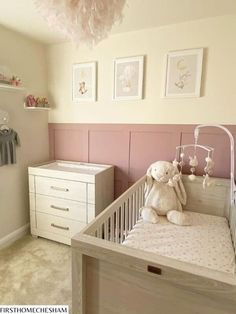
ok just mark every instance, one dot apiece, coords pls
pixel 164 194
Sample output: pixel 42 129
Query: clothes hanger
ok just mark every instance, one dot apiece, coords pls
pixel 4 127
pixel 4 119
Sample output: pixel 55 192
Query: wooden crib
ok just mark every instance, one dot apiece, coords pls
pixel 110 278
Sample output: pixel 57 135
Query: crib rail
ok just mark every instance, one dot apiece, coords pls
pixel 114 223
pixel 232 224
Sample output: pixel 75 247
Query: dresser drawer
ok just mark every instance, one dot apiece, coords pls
pixel 61 207
pixel 58 225
pixel 61 188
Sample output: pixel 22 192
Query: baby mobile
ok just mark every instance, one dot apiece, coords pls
pixel 193 162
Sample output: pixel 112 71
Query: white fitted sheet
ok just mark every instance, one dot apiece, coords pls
pixel 207 242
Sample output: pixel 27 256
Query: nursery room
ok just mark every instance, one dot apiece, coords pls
pixel 117 156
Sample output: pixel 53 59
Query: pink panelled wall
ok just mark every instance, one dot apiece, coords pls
pixel 133 147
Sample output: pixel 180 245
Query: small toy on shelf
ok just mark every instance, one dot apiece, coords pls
pixel 15 81
pixel 42 102
pixel 30 101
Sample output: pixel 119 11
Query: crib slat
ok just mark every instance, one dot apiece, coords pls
pixel 109 229
pixel 137 201
pixel 137 197
pixel 126 218
pixel 130 214
pixel 99 232
pixel 117 225
pixel 134 209
pixel 106 230
pixel 121 223
pixel 136 206
pixel 112 228
pixel 143 198
pixel 140 198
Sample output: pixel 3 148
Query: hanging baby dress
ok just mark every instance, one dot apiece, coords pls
pixel 9 139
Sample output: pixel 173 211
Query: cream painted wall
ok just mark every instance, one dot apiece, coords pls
pixel 28 60
pixel 218 101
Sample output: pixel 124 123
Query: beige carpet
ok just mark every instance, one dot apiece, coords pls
pixel 35 271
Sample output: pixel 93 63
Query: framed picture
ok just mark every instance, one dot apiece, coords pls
pixel 128 78
pixel 183 73
pixel 84 82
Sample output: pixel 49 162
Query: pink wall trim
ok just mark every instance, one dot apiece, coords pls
pixel 133 147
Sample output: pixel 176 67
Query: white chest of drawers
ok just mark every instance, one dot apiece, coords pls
pixel 65 196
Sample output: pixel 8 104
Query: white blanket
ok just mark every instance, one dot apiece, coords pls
pixel 207 242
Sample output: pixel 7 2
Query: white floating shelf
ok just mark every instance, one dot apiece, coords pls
pixel 11 87
pixel 36 108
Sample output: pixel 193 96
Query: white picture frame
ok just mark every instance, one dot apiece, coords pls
pixel 183 73
pixel 84 85
pixel 128 78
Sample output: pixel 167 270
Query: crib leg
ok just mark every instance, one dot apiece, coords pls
pixel 78 282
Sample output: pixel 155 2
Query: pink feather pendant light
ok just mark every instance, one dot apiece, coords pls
pixel 88 21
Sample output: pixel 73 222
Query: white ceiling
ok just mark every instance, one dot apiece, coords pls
pixel 22 16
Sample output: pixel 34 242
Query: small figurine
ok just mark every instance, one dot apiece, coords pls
pixel 42 102
pixel 193 163
pixel 15 81
pixel 30 101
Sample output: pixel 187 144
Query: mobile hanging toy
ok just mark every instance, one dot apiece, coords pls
pixel 193 161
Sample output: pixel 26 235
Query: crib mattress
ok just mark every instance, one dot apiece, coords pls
pixel 207 242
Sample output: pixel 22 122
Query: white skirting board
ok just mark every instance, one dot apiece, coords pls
pixel 15 235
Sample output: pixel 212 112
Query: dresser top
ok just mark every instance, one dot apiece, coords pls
pixel 68 169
